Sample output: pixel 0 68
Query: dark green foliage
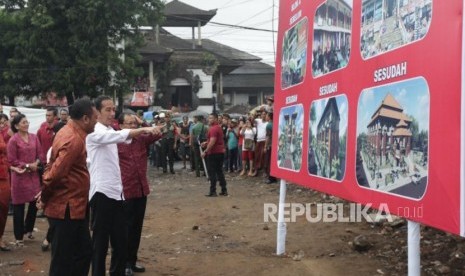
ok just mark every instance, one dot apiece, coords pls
pixel 72 47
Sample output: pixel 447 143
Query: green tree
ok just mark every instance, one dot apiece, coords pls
pixel 414 130
pixel 10 26
pixel 12 5
pixel 312 122
pixel 76 48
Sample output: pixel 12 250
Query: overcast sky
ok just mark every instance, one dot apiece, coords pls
pixel 249 13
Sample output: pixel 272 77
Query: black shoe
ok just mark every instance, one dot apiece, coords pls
pixel 138 268
pixel 270 181
pixel 128 272
pixel 212 195
pixel 224 194
pixel 165 171
pixel 172 171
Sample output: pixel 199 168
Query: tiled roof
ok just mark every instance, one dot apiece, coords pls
pixel 389 113
pixel 401 124
pixel 390 108
pixel 173 42
pixel 182 49
pixel 402 132
pixel 241 81
pixel 226 51
pixel 254 67
pixel 151 47
pixel 196 57
pixel 179 14
pixel 389 100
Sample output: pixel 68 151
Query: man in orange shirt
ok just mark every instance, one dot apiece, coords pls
pixel 45 132
pixel 65 193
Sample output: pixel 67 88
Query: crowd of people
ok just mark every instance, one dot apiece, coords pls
pixel 246 141
pixel 87 170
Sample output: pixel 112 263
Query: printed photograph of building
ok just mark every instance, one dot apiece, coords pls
pixel 390 24
pixel 392 138
pixel 331 37
pixel 294 59
pixel 328 137
pixel 290 135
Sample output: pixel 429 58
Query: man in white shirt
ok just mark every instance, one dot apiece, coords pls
pixel 106 189
pixel 260 145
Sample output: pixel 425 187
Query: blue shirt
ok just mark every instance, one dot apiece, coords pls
pixel 232 140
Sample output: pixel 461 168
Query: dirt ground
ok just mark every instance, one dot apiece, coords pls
pixel 186 233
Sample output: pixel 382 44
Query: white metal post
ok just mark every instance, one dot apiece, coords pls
pixel 281 232
pixel 413 248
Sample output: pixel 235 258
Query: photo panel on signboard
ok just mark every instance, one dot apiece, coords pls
pixel 327 137
pixel 331 36
pixel 294 54
pixel 391 24
pixel 392 138
pixel 290 137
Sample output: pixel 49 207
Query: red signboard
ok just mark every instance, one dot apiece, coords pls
pixel 368 97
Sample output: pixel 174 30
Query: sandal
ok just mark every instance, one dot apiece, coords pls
pixel 19 243
pixel 30 236
pixel 4 248
pixel 45 245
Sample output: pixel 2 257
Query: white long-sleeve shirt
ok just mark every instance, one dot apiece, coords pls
pixel 261 130
pixel 103 161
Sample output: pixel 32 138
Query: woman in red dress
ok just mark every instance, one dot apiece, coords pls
pixel 25 156
pixel 4 193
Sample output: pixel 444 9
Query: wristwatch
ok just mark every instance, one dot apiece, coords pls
pixel 27 166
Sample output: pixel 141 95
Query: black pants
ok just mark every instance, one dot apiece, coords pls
pixel 198 164
pixel 185 151
pixel 226 158
pixel 158 154
pixel 232 159
pixel 21 225
pixel 135 212
pixel 215 171
pixel 192 157
pixel 108 224
pixel 71 246
pixel 153 155
pixel 167 150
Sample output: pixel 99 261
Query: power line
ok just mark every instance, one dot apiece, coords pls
pixel 250 17
pixel 237 4
pixel 224 24
pixel 229 31
pixel 227 3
